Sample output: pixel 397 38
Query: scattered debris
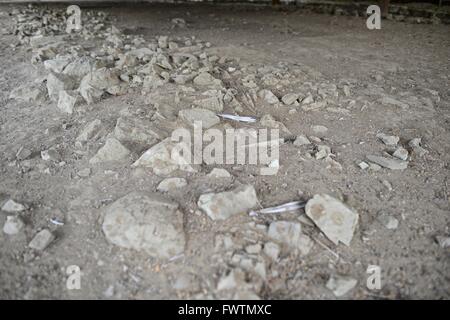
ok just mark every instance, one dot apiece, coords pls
pixel 41 240
pixel 290 234
pixel 401 153
pixel 219 173
pixel 388 221
pixel 13 206
pixel 170 184
pixel 13 225
pixel 290 206
pixel 221 206
pixel 145 222
pixel 390 163
pixel 415 145
pixel 388 140
pixel 341 285
pixel 332 217
pixel 113 150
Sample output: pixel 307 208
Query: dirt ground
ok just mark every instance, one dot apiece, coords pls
pixel 407 62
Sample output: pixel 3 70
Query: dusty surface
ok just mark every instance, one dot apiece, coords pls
pixel 406 62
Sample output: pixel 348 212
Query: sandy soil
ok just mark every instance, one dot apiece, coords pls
pixel 408 62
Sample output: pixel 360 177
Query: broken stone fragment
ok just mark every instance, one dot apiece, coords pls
pixel 41 240
pixel 341 285
pixel 414 144
pixel 393 102
pixel 13 225
pixel 170 184
pixel 95 83
pixel 206 79
pixel 268 121
pixel 219 173
pixel 390 163
pixel 268 96
pixel 272 250
pixel 166 157
pixel 388 140
pixel 113 150
pixel 13 206
pixel 290 98
pixel 57 65
pixel 68 100
pixel 301 140
pixel 145 222
pixel 50 155
pixel 57 83
pixel 323 152
pixel 401 153
pixel 90 131
pixel 333 218
pixel 135 131
pixel 290 234
pixel 388 221
pixel 221 206
pixel 211 103
pixel 206 117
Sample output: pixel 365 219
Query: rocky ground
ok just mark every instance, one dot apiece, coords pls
pixel 87 180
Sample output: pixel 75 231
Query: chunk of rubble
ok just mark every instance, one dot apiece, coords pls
pixel 268 121
pixel 41 240
pixel 290 98
pixel 68 100
pixel 444 242
pixel 290 234
pixel 301 140
pixel 219 173
pixel 333 218
pixel 135 131
pixel 390 163
pixel 13 206
pixel 145 222
pixel 388 140
pixel 401 153
pixel 94 84
pixel 90 130
pixel 268 96
pixel 388 221
pixel 206 117
pixel 221 206
pixel 165 157
pixel 13 225
pixel 341 285
pixel 322 152
pixel 171 184
pixel 57 65
pixel 272 250
pixel 206 79
pixel 57 83
pixel 113 150
pixel 415 145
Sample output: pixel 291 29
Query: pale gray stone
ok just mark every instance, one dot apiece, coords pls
pixel 41 240
pixel 390 163
pixel 341 285
pixel 13 206
pixel 13 225
pixel 170 184
pixel 333 218
pixel 113 150
pixel 221 206
pixel 207 117
pixel 145 222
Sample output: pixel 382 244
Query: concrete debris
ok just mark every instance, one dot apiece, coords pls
pixel 290 98
pixel 401 153
pixel 113 150
pixel 219 173
pixel 390 163
pixel 388 140
pixel 41 240
pixel 171 184
pixel 301 140
pixel 50 155
pixel 388 221
pixel 290 234
pixel 415 145
pixel 207 118
pixel 90 130
pixel 13 225
pixel 272 250
pixel 341 285
pixel 13 206
pixel 147 223
pixel 221 206
pixel 206 79
pixel 165 157
pixel 268 96
pixel 333 218
pixel 363 165
pixel 96 83
pixel 68 100
pixel 135 131
pixel 322 152
pixel 57 83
